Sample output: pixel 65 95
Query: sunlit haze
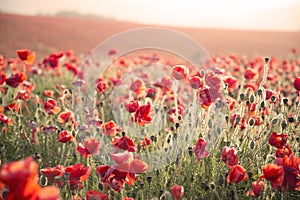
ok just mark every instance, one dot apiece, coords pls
pixel 280 15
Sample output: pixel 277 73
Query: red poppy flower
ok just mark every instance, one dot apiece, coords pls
pixel 26 56
pixel 52 172
pixel 101 87
pixel 214 84
pixel 124 143
pixel 269 94
pixel 53 60
pixel 65 136
pixel 296 83
pixel 141 115
pixel 6 120
pixel 138 166
pixel 95 195
pixel 23 95
pixel 249 73
pixel 128 198
pixel 2 78
pixel 204 98
pixel 177 191
pixel 16 79
pixel 274 174
pixel 90 147
pixel 21 179
pixel 231 82
pixel 285 151
pixel 196 82
pixel 77 173
pixel 132 106
pixel 50 106
pixel 72 68
pixel 109 128
pixel 14 107
pixel 237 174
pixel 257 188
pixel 277 140
pixel 291 167
pixel 200 149
pixel 65 116
pixel 229 156
pixel 180 72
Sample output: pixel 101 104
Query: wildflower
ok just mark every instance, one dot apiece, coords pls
pixel 277 140
pixel 65 136
pixel 109 128
pixel 257 188
pixel 229 156
pixel 249 73
pixel 141 115
pixel 132 106
pixel 26 56
pixel 124 143
pixel 180 72
pixel 15 80
pixel 50 106
pixel 237 174
pixel 200 149
pixel 177 191
pixel 196 82
pixel 297 83
pixel 90 147
pixel 274 174
pixel 95 195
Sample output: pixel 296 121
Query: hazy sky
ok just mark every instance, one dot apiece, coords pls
pixel 241 14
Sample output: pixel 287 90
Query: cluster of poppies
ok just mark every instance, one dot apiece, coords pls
pixel 250 91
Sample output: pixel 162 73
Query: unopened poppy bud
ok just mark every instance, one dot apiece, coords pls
pixel 273 99
pixel 190 150
pixel 274 121
pixel 285 101
pixel 259 91
pixel 252 98
pixel 262 104
pixel 212 186
pixel 43 180
pixel 149 179
pixel 283 124
pixel 252 144
pixel 267 59
pixel 291 119
pixel 251 122
pixel 202 73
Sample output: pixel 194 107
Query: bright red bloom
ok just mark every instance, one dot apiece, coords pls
pixel 231 82
pixel 53 60
pixel 109 128
pixel 90 147
pixel 296 83
pixel 101 87
pixel 277 140
pixel 52 172
pixel 269 93
pixel 285 151
pixel 196 82
pixel 6 120
pixel 124 143
pixel 21 178
pixel 177 191
pixel 2 78
pixel 77 173
pixel 14 107
pixel 50 106
pixel 16 79
pixel 132 106
pixel 65 136
pixel 215 86
pixel 180 72
pixel 257 188
pixel 128 198
pixel 95 195
pixel 204 98
pixel 23 95
pixel 26 56
pixel 200 149
pixel 249 73
pixel 237 174
pixel 141 115
pixel 65 116
pixel 229 156
pixel 274 174
pixel 291 167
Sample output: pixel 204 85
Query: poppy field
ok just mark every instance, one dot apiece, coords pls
pixel 227 133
